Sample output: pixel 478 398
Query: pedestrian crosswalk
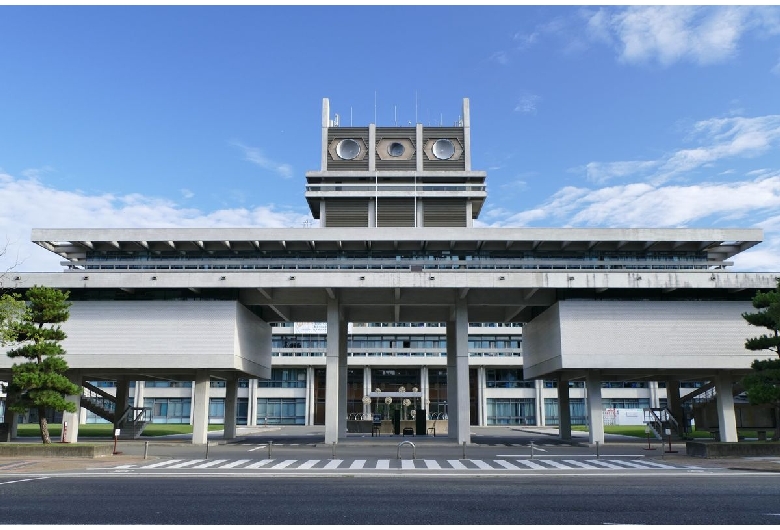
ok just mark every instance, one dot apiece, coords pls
pixel 506 464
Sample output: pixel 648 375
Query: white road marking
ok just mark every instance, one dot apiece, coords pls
pixel 505 464
pixel 333 464
pixel 234 464
pixel 531 464
pixel 209 464
pixel 259 464
pixel 432 464
pixel 308 464
pixel 456 464
pixel 357 464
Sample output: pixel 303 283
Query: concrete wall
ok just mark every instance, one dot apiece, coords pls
pixel 590 334
pixel 165 335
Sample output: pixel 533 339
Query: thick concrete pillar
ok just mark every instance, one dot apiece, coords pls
pixel 727 419
pixel 673 401
pixel 231 398
pixel 458 374
pixel 335 376
pixel 72 418
pixel 564 412
pixel 122 400
pixel 595 407
pixel 200 408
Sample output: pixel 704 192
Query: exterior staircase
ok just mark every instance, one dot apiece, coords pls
pixel 660 419
pixel 130 422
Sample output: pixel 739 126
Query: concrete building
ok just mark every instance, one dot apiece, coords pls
pixel 397 288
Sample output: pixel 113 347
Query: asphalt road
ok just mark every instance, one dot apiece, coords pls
pixel 163 500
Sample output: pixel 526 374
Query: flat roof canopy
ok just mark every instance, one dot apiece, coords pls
pixel 720 244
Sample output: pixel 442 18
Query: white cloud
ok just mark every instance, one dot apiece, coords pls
pixel 256 156
pixel 28 203
pixel 669 34
pixel 527 103
pixel 718 139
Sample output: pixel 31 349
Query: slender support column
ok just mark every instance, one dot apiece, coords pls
pixel 366 389
pixel 481 399
pixel 343 341
pixel 458 374
pixel 251 408
pixel 200 408
pixel 595 408
pixel 335 376
pixel 310 405
pixel 231 397
pixel 72 434
pixel 652 386
pixel 564 412
pixel 539 392
pixel 727 419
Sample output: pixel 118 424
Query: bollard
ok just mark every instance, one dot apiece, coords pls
pixel 333 451
pixel 270 443
pixel 146 450
pixel 532 449
pixel 207 449
pixel 597 449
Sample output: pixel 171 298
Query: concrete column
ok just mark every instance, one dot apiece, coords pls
pixel 564 412
pixel 231 397
pixel 325 125
pixel 343 341
pixel 425 390
pixel 595 407
pixel 371 147
pixel 200 408
pixel 458 374
pixel 727 419
pixel 467 134
pixel 310 404
pixel 418 146
pixel 122 400
pixel 366 390
pixel 251 407
pixel 139 394
pixel 335 376
pixel 673 401
pixel 481 399
pixel 652 386
pixel 372 212
pixel 72 418
pixel 539 392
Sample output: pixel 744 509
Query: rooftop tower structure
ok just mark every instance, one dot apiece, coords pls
pixel 416 176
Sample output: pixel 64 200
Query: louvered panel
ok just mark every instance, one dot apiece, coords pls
pixel 444 213
pixel 396 165
pixel 395 212
pixel 341 213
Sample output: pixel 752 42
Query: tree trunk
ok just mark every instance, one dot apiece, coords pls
pixel 44 425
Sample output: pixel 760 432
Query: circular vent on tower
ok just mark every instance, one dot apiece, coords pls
pixel 348 149
pixel 395 149
pixel 443 149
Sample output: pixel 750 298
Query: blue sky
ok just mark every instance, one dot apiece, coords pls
pixel 615 116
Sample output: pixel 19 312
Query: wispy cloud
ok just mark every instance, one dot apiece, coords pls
pixel 256 156
pixel 716 139
pixel 28 203
pixel 527 103
pixel 665 35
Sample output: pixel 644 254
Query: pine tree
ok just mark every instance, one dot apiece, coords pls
pixel 763 384
pixel 40 382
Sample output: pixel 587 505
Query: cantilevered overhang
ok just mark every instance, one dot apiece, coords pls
pixel 401 295
pixel 719 244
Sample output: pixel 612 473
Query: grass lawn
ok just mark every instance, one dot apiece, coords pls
pixel 100 430
pixel 639 431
